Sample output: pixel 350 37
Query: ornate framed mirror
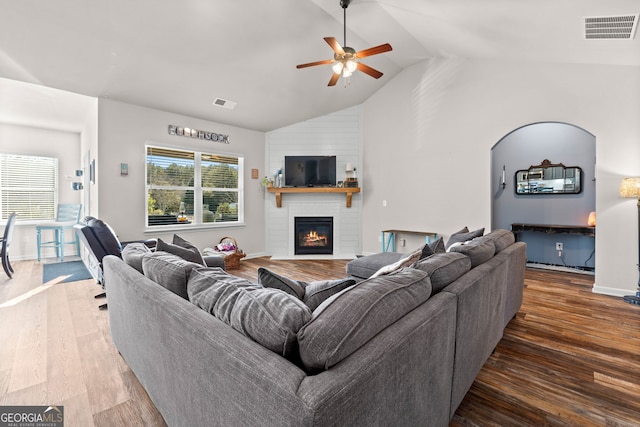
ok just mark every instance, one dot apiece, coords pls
pixel 549 178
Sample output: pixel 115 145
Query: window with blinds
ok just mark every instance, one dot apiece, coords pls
pixel 28 186
pixel 190 187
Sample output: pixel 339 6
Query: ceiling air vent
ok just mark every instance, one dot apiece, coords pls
pixel 610 27
pixel 224 103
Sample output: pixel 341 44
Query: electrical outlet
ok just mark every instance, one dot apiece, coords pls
pixel 384 203
pixel 560 254
pixel 559 247
pixel 403 242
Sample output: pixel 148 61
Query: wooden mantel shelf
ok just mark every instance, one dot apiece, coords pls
pixel 280 191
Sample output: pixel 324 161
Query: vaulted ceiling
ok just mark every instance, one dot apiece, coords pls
pixel 180 56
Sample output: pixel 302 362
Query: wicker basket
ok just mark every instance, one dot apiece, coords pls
pixel 232 259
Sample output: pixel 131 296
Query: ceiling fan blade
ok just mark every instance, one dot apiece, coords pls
pixel 374 50
pixel 368 70
pixel 331 41
pixel 334 79
pixel 311 64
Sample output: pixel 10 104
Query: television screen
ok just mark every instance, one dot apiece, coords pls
pixel 309 171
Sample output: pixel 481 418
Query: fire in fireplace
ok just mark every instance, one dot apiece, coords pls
pixel 313 235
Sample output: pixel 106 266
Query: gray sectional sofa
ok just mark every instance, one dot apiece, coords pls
pixel 401 348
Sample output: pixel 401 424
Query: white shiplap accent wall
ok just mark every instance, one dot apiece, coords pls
pixel 336 134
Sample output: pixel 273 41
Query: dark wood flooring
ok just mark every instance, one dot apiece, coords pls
pixel 569 358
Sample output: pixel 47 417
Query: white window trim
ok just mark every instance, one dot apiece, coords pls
pixel 197 190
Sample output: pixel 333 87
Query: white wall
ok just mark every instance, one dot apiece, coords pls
pixel 428 135
pixel 333 134
pixel 123 131
pixel 48 143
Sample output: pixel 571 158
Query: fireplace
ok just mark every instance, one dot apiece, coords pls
pixel 313 235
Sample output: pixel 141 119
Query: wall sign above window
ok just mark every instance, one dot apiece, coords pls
pixel 199 134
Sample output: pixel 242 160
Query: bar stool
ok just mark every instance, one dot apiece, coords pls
pixel 67 216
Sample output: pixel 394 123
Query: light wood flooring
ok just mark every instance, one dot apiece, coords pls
pixel 569 358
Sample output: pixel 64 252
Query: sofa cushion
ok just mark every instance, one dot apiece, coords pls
pixel 367 265
pixel 169 271
pixel 405 261
pixel 133 253
pixel 268 316
pixel 479 250
pixel 349 319
pixel 463 236
pixel 316 292
pixel 269 279
pixel 443 268
pixel 501 238
pixel 188 254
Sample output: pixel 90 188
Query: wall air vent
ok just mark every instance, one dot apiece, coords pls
pixel 610 27
pixel 224 103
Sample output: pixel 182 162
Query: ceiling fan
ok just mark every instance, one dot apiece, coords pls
pixel 345 59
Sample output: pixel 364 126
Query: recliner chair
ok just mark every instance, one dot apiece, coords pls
pixel 100 240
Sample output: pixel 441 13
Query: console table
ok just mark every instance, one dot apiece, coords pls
pixel 389 238
pixel 553 229
pixel 279 191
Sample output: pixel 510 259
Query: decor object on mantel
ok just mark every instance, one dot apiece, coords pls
pixel 345 59
pixel 630 188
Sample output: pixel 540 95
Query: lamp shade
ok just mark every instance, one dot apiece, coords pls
pixel 348 167
pixel 591 222
pixel 630 187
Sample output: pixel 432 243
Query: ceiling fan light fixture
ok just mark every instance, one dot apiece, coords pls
pixel 346 59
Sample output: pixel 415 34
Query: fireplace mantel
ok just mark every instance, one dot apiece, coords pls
pixel 279 191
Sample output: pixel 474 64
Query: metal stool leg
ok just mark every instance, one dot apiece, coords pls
pixel 61 243
pixel 39 241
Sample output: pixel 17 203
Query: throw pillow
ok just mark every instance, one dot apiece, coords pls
pixel 269 279
pixel 437 246
pixel 348 320
pixel 403 262
pixel 268 316
pixel 463 235
pixel 315 293
pixel 426 251
pixel 179 241
pixel 191 255
pixel 312 293
pixel 133 253
pixel 168 270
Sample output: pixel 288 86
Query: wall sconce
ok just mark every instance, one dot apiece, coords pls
pixel 503 179
pixel 630 188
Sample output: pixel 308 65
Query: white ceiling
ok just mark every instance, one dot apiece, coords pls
pixel 179 56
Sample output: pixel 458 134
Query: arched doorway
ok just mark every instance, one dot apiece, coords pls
pixel 530 145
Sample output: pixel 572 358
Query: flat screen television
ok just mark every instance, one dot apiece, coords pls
pixel 310 171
